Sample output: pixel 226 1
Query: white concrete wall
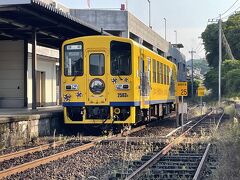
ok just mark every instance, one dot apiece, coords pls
pixel 106 19
pixel 47 65
pixel 138 28
pixel 11 74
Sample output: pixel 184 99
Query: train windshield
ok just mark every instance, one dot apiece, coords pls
pixel 120 58
pixel 73 59
pixel 96 64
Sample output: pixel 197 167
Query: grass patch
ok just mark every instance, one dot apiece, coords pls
pixel 227 140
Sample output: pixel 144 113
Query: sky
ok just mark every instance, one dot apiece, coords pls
pixel 188 18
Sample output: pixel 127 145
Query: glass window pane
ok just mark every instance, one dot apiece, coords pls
pixel 158 77
pixel 161 73
pixel 73 59
pixel 168 73
pixel 96 64
pixel 120 58
pixel 154 71
pixel 165 73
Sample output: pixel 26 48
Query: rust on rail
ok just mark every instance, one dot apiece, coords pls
pixel 30 150
pixel 38 162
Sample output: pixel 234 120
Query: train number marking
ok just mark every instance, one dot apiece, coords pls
pixel 122 95
pixel 184 92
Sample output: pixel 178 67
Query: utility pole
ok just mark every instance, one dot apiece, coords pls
pixel 149 13
pixel 192 52
pixel 165 28
pixel 175 36
pixel 220 59
pixel 220 54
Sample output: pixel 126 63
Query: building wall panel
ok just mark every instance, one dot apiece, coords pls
pixel 47 65
pixel 11 74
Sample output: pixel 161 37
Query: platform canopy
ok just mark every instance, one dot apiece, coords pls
pixel 19 18
pixel 40 22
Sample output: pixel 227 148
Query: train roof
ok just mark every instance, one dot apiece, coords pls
pixel 118 38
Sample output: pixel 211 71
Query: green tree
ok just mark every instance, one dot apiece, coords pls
pixel 211 81
pixel 230 70
pixel 210 41
pixel 233 82
pixel 231 29
pixel 195 86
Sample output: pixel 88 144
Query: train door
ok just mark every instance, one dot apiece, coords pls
pixel 145 82
pixel 97 70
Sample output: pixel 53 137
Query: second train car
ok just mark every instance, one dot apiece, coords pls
pixel 114 80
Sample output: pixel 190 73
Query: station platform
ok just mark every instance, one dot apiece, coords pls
pixel 19 126
pixel 10 112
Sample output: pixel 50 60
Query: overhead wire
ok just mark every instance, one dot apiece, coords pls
pixel 225 17
pixel 216 18
pixel 201 50
pixel 230 7
pixel 198 46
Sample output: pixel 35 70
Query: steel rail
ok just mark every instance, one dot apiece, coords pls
pixel 220 119
pixel 177 129
pixel 136 174
pixel 38 162
pixel 200 166
pixel 126 133
pixel 45 160
pixel 30 150
pixel 58 143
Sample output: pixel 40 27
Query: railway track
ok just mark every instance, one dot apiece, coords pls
pixel 172 162
pixel 26 162
pixel 23 152
pixel 57 160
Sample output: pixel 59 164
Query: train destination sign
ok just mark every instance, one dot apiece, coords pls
pixel 182 89
pixel 201 91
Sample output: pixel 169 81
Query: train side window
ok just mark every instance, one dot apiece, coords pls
pixel 96 64
pixel 154 70
pixel 161 73
pixel 164 80
pixel 168 80
pixel 158 77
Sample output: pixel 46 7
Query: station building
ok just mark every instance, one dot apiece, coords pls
pixel 31 34
pixel 12 76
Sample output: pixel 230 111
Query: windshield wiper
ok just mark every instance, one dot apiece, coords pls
pixel 73 79
pixel 120 77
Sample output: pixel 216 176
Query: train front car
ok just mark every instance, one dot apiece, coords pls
pixel 98 80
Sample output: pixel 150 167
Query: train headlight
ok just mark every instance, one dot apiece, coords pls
pixel 97 86
pixel 71 87
pixel 122 86
pixel 117 111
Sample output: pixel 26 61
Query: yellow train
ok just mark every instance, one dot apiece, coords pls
pixel 114 80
